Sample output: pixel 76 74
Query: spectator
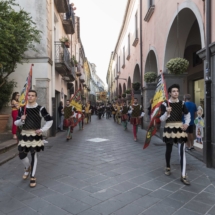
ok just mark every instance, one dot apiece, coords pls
pixel 15 107
pixel 193 110
pixel 61 115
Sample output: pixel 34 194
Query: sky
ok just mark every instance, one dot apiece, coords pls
pixel 100 24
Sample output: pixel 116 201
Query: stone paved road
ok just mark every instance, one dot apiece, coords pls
pixel 103 171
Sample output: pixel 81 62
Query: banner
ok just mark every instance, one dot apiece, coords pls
pixel 26 88
pixel 76 101
pixel 103 96
pixel 159 97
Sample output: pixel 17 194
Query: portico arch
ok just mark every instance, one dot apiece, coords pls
pixel 151 62
pixel 136 75
pixel 129 83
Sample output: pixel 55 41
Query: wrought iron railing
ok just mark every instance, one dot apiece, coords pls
pixel 70 15
pixel 62 55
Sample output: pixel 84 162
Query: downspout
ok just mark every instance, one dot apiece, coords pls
pixel 53 100
pixel 208 82
pixel 141 56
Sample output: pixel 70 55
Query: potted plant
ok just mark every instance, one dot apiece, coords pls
pixel 136 86
pixel 128 91
pixel 65 42
pixel 123 95
pixel 177 66
pixel 74 61
pixel 5 95
pixel 150 77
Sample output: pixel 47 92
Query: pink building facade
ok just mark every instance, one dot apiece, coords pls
pixel 152 33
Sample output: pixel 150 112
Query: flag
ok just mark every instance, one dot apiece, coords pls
pixel 26 88
pixel 159 97
pixel 76 103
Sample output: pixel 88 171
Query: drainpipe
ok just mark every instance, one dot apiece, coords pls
pixel 209 157
pixel 53 101
pixel 141 56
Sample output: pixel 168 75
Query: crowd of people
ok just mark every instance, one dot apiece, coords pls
pixel 178 117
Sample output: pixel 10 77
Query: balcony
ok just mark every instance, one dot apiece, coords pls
pixel 150 11
pixel 82 77
pixel 62 6
pixel 68 20
pixel 62 62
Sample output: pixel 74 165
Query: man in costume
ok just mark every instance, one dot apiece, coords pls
pixel 81 122
pixel 31 139
pixel 172 112
pixel 124 115
pixel 114 109
pixel 108 110
pixel 137 113
pixel 88 110
pixel 68 120
pixel 118 113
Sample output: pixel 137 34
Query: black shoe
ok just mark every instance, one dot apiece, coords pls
pixel 185 180
pixel 187 149
pixel 167 171
pixel 192 147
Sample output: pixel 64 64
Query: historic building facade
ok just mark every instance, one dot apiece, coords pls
pixel 152 33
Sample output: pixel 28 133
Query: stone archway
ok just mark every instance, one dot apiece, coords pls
pixel 151 62
pixel 136 75
pixel 129 83
pixel 120 89
pixel 124 88
pixel 190 40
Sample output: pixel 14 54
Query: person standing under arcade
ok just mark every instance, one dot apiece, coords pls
pixel 137 113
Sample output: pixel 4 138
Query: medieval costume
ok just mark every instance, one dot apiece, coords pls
pixel 173 133
pixel 68 121
pixel 118 113
pixel 114 109
pixel 124 117
pixel 81 122
pixel 136 112
pixel 108 111
pixel 88 110
pixel 29 141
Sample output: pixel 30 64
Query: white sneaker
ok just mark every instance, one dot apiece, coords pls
pixel 45 141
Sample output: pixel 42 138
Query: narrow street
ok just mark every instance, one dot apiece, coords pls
pixel 103 171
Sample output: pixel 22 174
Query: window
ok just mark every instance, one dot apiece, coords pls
pixel 151 8
pixel 136 40
pixel 136 26
pixel 128 57
pixel 129 44
pixel 119 64
pixel 123 66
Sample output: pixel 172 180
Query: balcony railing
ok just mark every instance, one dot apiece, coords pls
pixel 62 62
pixel 62 6
pixel 68 20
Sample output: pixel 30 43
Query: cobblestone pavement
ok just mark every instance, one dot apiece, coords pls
pixel 103 171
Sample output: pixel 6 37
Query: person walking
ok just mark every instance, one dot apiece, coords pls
pixel 175 130
pixel 61 115
pixel 68 120
pixel 124 115
pixel 31 138
pixel 193 112
pixel 137 113
pixel 15 108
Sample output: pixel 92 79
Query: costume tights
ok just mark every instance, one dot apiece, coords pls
pixel 25 160
pixel 182 156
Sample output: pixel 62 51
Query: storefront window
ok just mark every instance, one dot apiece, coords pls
pixel 199 92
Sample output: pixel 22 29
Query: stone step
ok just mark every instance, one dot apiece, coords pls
pixel 7 145
pixel 10 154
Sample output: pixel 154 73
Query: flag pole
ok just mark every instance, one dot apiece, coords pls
pixel 164 82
